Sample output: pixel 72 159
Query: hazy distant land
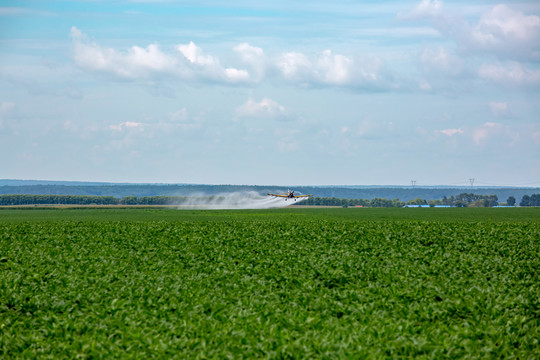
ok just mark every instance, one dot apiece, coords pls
pixel 119 190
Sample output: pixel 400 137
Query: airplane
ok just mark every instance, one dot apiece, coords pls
pixel 289 195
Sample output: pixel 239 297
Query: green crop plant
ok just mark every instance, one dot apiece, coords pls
pixel 338 283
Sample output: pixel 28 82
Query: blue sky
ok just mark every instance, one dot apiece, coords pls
pixel 284 93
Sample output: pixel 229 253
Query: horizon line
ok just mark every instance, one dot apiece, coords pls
pixel 117 183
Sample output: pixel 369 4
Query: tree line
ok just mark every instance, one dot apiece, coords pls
pixel 19 199
pixel 533 200
pixel 461 200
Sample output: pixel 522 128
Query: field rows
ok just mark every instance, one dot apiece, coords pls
pixel 246 287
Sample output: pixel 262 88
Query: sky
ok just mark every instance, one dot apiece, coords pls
pixel 271 93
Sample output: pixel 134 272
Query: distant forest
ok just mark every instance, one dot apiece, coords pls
pixel 462 200
pixel 120 191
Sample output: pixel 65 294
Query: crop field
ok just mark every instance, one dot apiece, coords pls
pixel 287 283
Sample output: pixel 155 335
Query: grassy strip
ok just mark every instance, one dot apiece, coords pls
pixel 148 213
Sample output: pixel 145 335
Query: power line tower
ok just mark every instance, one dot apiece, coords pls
pixel 413 183
pixel 471 180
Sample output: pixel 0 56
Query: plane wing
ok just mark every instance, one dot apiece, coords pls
pixel 286 196
pixel 278 195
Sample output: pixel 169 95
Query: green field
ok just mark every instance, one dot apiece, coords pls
pixel 288 283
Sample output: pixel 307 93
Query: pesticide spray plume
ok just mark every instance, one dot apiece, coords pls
pixel 234 200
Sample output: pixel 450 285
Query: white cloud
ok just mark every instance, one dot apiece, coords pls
pixel 498 108
pixel 367 128
pixel 174 122
pixel 425 9
pixel 442 70
pixel 334 69
pixel 266 108
pixel 327 68
pixel 294 65
pixel 508 33
pixel 481 133
pixel 151 58
pixel 491 135
pixel 502 21
pixel 236 76
pixel 288 145
pixel 138 63
pixel 209 67
pixel 76 34
pixel 126 125
pixel 252 56
pixel 190 63
pixel 195 55
pixel 135 63
pixel 179 116
pixel 249 53
pixel 512 74
pixel 441 61
pixel 502 31
pixel 451 132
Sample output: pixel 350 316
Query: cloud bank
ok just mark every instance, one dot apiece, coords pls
pixel 266 108
pixel 188 62
pixel 502 31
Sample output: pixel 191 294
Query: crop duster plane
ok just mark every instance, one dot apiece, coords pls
pixel 289 195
